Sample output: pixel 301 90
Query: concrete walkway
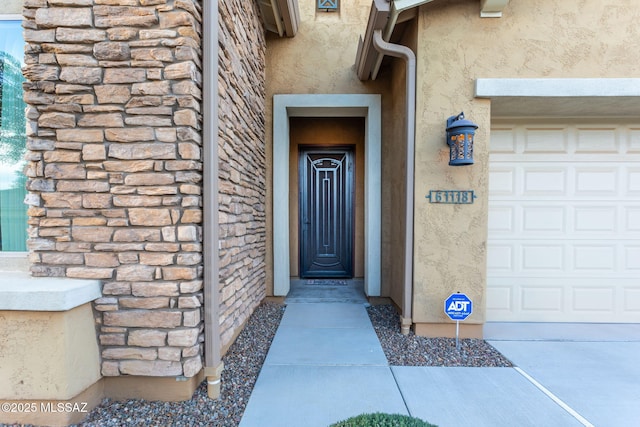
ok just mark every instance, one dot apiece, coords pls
pixel 326 364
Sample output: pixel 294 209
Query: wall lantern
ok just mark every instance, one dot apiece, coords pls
pixel 460 133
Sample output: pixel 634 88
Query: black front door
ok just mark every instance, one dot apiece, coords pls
pixel 326 212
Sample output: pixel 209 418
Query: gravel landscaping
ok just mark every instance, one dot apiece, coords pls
pixel 412 350
pixel 242 364
pixel 244 360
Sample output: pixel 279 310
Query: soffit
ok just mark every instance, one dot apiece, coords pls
pixel 387 16
pixel 583 97
pixel 280 16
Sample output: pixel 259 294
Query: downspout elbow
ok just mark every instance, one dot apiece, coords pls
pixel 214 380
pixel 398 51
pixel 404 52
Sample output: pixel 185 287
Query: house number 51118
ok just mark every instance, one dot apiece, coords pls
pixel 456 197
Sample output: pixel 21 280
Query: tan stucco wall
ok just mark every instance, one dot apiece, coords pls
pixel 11 6
pixel 537 38
pixel 319 59
pixel 47 355
pixel 323 132
pixel 394 167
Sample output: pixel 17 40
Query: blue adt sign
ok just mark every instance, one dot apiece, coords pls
pixel 458 307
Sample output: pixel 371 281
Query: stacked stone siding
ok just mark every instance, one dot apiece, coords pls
pixel 114 91
pixel 241 150
pixel 115 170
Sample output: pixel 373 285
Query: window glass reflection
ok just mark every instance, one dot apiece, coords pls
pixel 13 211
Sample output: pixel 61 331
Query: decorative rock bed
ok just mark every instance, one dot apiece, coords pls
pixel 244 360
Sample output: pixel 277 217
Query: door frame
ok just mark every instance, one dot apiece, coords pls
pixel 325 105
pixel 349 151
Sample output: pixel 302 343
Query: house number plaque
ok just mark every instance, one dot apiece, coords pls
pixel 454 197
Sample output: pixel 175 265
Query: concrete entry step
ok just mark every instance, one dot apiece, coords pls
pixel 327 290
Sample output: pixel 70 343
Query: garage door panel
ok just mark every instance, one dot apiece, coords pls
pixel 633 180
pixel 595 140
pixel 632 300
pixel 634 141
pixel 532 299
pixel 503 140
pixel 549 299
pixel 594 257
pixel 500 258
pixel 596 181
pixel 573 258
pixel 590 219
pixel 545 140
pixel 501 219
pixel 500 300
pixel 502 182
pixel 536 219
pixel 544 182
pixel 632 223
pixel 536 257
pixel 588 299
pixel 632 258
pixel 564 223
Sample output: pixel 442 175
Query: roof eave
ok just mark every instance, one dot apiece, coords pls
pixel 280 16
pixel 384 16
pixel 367 55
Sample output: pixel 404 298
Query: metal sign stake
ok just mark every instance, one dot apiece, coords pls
pixel 458 307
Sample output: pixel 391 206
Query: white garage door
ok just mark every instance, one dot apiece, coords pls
pixel 564 221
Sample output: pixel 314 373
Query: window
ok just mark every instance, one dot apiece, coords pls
pixel 328 5
pixel 13 211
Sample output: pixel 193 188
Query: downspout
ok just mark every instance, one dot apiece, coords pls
pixel 396 8
pixel 400 51
pixel 212 344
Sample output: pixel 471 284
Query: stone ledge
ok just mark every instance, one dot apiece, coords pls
pixel 20 291
pixel 14 261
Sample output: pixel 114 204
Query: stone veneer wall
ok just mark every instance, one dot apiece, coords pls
pixel 115 171
pixel 241 150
